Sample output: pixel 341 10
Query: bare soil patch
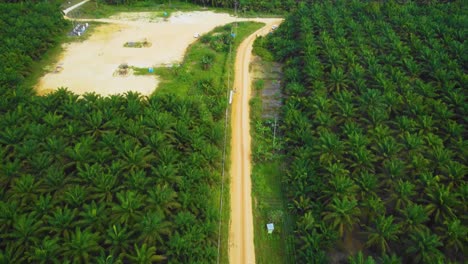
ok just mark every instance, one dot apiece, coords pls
pixel 88 66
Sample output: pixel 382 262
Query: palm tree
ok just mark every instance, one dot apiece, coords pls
pixel 24 189
pixel 104 186
pixel 11 254
pixel 46 251
pixel 359 258
pixel 138 180
pixel 75 195
pixel 394 168
pixel 81 246
pixel 307 222
pixel 373 206
pixel 441 203
pixel 301 204
pixel 455 234
pixel 118 238
pixel 53 120
pixel 26 230
pixel 145 255
pixel 40 162
pixel 162 198
pixel 368 184
pixel 11 136
pixel 136 157
pixel 403 194
pixel 81 152
pixel 392 259
pixel 340 186
pixel 311 243
pixel 153 226
pixel 135 128
pixel 423 247
pixel 135 103
pixel 127 210
pixel 9 170
pixel 330 148
pixel 383 232
pixel 387 147
pixel 167 174
pixel 342 214
pixel 108 259
pixel 414 218
pixel 363 159
pixel 94 123
pixel 338 80
pixel 455 171
pixel 93 216
pixel 54 179
pixel 43 205
pixel 413 142
pixel 55 148
pixel 61 222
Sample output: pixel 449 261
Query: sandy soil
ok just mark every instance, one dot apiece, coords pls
pixel 88 66
pixel 241 231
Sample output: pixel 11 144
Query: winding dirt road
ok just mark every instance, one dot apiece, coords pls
pixel 241 230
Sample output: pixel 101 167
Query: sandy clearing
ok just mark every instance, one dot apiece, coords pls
pixel 88 66
pixel 241 230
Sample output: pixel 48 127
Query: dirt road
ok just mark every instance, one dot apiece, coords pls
pixel 241 231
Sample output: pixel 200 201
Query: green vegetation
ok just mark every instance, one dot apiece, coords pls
pixel 246 8
pixel 91 179
pixel 272 6
pixel 102 9
pixel 206 65
pixel 19 53
pixel 269 203
pixel 374 124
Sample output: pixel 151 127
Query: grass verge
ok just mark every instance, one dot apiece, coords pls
pixel 269 202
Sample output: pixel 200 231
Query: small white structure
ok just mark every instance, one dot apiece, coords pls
pixel 274 27
pixel 270 228
pixel 196 35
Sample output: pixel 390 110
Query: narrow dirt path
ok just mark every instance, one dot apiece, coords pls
pixel 241 230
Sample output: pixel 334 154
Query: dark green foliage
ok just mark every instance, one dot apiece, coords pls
pixel 92 179
pixel 375 129
pixel 242 5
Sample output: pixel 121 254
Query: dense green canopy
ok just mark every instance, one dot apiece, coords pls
pixel 375 123
pixel 91 179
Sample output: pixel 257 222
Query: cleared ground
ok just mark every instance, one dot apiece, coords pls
pixel 89 66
